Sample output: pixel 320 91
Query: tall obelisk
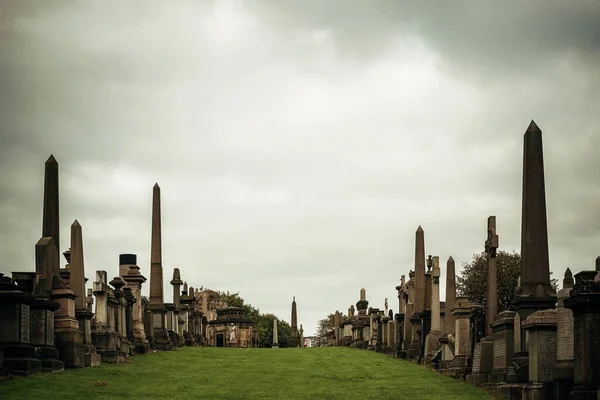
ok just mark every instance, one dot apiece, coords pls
pixel 156 303
pixel 294 337
pixel 535 291
pixel 47 249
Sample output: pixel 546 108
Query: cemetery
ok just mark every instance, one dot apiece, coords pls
pixel 543 347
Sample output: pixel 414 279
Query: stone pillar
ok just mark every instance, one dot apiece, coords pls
pixel 275 344
pixel 301 336
pixel 450 296
pixel 432 342
pixel 156 305
pixel 491 245
pixel 563 370
pixel 104 336
pixel 336 327
pixel 134 280
pixel 534 291
pixel 584 302
pixel 118 301
pixel 409 328
pixel 294 338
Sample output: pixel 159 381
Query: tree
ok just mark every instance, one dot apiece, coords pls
pixel 474 278
pixel 325 326
pixel 263 323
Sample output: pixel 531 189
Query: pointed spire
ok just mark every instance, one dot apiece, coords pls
pixel 533 127
pixel 75 223
pixel 419 229
pixel 568 279
pixel 450 259
pixel 51 159
pixel 156 186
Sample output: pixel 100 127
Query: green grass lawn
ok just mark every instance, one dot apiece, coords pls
pixel 222 373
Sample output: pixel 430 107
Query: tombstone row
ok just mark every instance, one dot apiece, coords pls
pixel 545 346
pixel 50 321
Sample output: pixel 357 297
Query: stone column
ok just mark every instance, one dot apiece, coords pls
pixel 491 245
pixel 156 305
pixel 584 302
pixel 301 336
pixel 336 327
pixel 294 338
pixel 409 329
pixel 176 282
pixel 450 296
pixel 535 291
pixel 104 336
pixel 134 280
pixel 432 342
pixel 563 370
pixel 275 344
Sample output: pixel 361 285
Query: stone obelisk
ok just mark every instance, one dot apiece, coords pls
pixel 156 304
pixel 449 320
pixel 535 291
pixel 419 291
pixel 76 267
pixel 275 344
pixel 491 245
pixel 294 337
pixel 47 249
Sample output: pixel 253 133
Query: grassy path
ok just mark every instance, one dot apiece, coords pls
pixel 211 373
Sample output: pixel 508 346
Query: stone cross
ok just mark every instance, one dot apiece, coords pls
pixel 491 245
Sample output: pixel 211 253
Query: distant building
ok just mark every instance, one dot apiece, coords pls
pixel 310 341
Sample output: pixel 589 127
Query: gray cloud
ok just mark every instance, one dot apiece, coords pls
pixel 297 147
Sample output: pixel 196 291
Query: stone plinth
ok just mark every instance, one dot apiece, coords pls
pixel 541 329
pixel 69 339
pixel 503 336
pixel 460 366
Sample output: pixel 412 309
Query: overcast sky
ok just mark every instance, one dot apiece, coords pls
pixel 298 145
